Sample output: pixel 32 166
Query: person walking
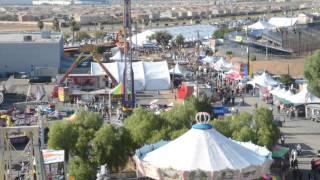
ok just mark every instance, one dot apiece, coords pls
pixel 282 140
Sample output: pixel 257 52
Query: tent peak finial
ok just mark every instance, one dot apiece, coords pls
pixel 202 119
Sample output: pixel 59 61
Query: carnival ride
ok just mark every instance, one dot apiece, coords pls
pixel 128 99
pixel 5 119
pixel 92 50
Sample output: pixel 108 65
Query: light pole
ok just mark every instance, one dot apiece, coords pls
pixel 197 83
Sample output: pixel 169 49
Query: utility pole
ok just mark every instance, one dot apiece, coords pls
pixel 267 49
pixel 248 53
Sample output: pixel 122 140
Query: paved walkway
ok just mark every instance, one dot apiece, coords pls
pixel 306 133
pixel 296 131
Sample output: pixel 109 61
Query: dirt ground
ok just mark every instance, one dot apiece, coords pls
pixel 294 67
pixel 14 27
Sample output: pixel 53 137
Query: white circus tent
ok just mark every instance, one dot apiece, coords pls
pixel 202 149
pixel 263 151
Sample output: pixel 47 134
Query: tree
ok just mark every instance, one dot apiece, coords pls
pixel 266 131
pixel 63 135
pixel 66 36
pixel 168 125
pixel 83 144
pixel 180 116
pixel 220 33
pixel 89 120
pixel 73 27
pixel 259 128
pixel 229 54
pixel 55 25
pixel 162 37
pixel 82 35
pixel 142 126
pixel 76 138
pixel 286 79
pixel 82 169
pixel 179 40
pixel 99 35
pixel 112 146
pixel 40 25
pixel 312 72
pixel 223 127
pixel 245 134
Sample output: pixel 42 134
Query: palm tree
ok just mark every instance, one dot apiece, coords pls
pixel 179 41
pixel 55 24
pixel 74 27
pixel 40 25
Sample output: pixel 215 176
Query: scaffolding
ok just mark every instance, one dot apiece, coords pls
pixel 30 157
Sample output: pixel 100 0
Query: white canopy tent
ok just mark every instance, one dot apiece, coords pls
pixel 204 149
pixel 210 60
pixel 179 70
pixel 222 65
pixel 264 80
pixel 147 75
pixel 261 25
pixel 287 95
pixel 281 93
pixel 275 91
pixel 304 96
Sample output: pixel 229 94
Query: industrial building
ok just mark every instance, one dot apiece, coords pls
pixel 36 53
pixel 300 40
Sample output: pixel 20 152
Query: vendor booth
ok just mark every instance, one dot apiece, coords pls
pixel 281 161
pixel 185 91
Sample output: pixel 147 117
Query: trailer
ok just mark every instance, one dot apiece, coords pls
pixel 313 112
pixel 2 89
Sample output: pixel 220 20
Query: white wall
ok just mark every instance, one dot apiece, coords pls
pixel 19 56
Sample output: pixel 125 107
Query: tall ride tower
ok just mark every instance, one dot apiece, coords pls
pixel 128 97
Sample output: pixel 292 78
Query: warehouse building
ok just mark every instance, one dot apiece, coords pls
pixel 38 54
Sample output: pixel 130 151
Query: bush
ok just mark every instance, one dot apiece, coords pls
pixel 229 53
pixel 253 58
